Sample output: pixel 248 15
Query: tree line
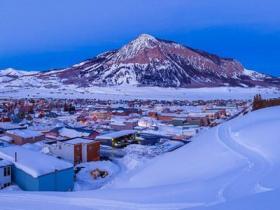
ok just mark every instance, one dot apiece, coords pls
pixel 260 103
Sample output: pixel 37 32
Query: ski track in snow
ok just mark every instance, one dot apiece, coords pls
pixel 247 181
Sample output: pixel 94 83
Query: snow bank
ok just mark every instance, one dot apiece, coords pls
pixel 202 159
pixel 84 181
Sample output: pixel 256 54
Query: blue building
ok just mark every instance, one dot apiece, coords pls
pixel 34 171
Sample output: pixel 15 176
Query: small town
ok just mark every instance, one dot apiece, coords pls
pixel 73 145
pixel 139 105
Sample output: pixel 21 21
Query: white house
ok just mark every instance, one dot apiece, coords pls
pixel 76 150
pixel 5 173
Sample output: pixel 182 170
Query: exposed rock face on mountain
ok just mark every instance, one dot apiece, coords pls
pixel 148 61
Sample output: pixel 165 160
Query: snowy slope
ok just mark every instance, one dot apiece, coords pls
pixel 220 169
pixel 10 74
pixel 255 75
pixel 14 72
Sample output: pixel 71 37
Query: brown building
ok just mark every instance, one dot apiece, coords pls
pixel 23 136
pixel 198 119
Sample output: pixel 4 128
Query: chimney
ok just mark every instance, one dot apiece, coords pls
pixel 15 156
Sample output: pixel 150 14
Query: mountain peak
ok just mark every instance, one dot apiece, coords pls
pixel 14 72
pixel 142 42
pixel 146 37
pixel 11 72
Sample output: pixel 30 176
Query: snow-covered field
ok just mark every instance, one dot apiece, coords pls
pixel 232 166
pixel 30 86
pixel 132 92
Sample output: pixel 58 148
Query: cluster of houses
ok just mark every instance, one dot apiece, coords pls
pixel 71 132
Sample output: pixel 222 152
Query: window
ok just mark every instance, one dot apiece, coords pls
pixel 7 171
pixel 7 184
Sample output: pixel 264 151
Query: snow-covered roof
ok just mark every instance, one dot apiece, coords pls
pixel 174 115
pixel 25 133
pixel 117 123
pixel 8 125
pixel 198 114
pixel 116 134
pixel 78 141
pixel 71 133
pixel 6 138
pixel 4 163
pixel 33 163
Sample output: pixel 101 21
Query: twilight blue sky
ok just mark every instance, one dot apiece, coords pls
pixel 43 34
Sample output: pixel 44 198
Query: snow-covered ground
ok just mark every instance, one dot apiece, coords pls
pixel 132 92
pixel 84 181
pixel 231 166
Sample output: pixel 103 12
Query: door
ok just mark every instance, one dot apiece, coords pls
pixel 77 154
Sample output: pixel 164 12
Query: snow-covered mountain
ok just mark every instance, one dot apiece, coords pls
pixel 149 61
pixel 11 74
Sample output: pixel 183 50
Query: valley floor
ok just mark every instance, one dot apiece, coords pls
pixel 132 92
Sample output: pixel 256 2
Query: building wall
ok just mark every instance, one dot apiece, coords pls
pixel 56 181
pixel 101 115
pixel 24 180
pixel 4 179
pixel 107 142
pixel 65 151
pixel 165 118
pixel 78 153
pixel 84 152
pixel 20 140
pixel 93 151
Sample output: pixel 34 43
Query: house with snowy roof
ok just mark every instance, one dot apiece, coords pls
pixel 5 140
pixel 76 150
pixel 23 136
pixel 5 173
pixel 118 138
pixel 198 118
pixel 5 126
pixel 34 171
pixel 123 124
